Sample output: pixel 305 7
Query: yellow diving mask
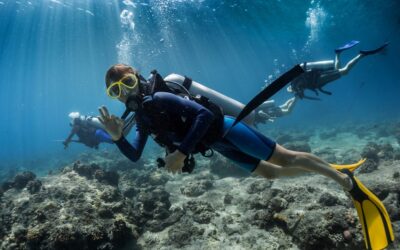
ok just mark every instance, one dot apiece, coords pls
pixel 129 81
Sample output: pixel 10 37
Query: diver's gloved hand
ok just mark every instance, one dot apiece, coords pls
pixel 65 143
pixel 175 161
pixel 112 124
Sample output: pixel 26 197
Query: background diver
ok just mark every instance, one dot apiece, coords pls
pixel 186 126
pixel 268 111
pixel 89 130
pixel 318 74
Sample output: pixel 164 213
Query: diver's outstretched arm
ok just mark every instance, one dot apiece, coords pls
pixel 69 138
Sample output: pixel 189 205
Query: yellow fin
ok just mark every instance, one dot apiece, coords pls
pixel 351 167
pixel 375 220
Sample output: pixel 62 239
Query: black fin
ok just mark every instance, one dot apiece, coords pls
pixel 269 91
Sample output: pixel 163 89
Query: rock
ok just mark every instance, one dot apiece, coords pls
pixel 196 188
pixel 159 223
pixel 228 199
pixel 327 199
pixel 96 237
pixel 396 175
pixel 396 155
pixel 370 152
pixel 106 246
pixel 85 170
pixel 322 230
pixel 369 166
pixel 157 178
pixel 183 233
pixel 120 233
pixel 130 192
pixel 108 177
pixel 6 185
pixel 34 186
pixel 261 201
pixel 66 237
pixel 262 219
pixel 347 235
pixel 40 216
pixel 394 211
pixel 202 212
pixel 386 152
pixel 105 213
pixel 154 199
pixel 34 237
pixel 110 195
pixel 278 204
pixel 19 233
pixel 281 220
pixel 259 186
pixel 21 179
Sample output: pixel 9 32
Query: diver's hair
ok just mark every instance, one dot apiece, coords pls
pixel 116 72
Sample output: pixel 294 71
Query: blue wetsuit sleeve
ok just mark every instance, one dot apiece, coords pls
pixel 103 136
pixel 133 151
pixel 200 116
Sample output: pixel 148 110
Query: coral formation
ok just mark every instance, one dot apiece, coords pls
pixel 102 201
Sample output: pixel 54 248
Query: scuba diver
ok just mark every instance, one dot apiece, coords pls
pixel 88 129
pixel 318 74
pixel 186 123
pixel 268 111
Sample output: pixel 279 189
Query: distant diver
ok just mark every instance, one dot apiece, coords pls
pixel 268 111
pixel 89 130
pixel 186 123
pixel 318 74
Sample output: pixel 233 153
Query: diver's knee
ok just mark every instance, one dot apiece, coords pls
pixel 265 171
pixel 282 156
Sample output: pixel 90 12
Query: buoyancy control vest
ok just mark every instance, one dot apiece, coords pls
pixel 86 130
pixel 165 124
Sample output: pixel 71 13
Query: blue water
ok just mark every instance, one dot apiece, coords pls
pixel 54 54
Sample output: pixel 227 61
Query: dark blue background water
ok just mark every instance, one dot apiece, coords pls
pixel 54 55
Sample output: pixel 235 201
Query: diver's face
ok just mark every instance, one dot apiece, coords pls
pixel 125 93
pixel 125 86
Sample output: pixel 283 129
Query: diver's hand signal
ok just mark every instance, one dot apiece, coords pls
pixel 174 162
pixel 112 124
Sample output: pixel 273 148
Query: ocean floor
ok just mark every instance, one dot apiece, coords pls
pixel 100 200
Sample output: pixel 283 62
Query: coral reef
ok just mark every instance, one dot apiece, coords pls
pixel 103 201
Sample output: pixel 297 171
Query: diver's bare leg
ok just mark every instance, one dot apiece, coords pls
pixel 350 64
pixel 288 106
pixel 337 60
pixel 285 162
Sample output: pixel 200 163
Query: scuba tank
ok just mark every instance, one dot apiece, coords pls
pixel 230 106
pixel 320 65
pixel 93 121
